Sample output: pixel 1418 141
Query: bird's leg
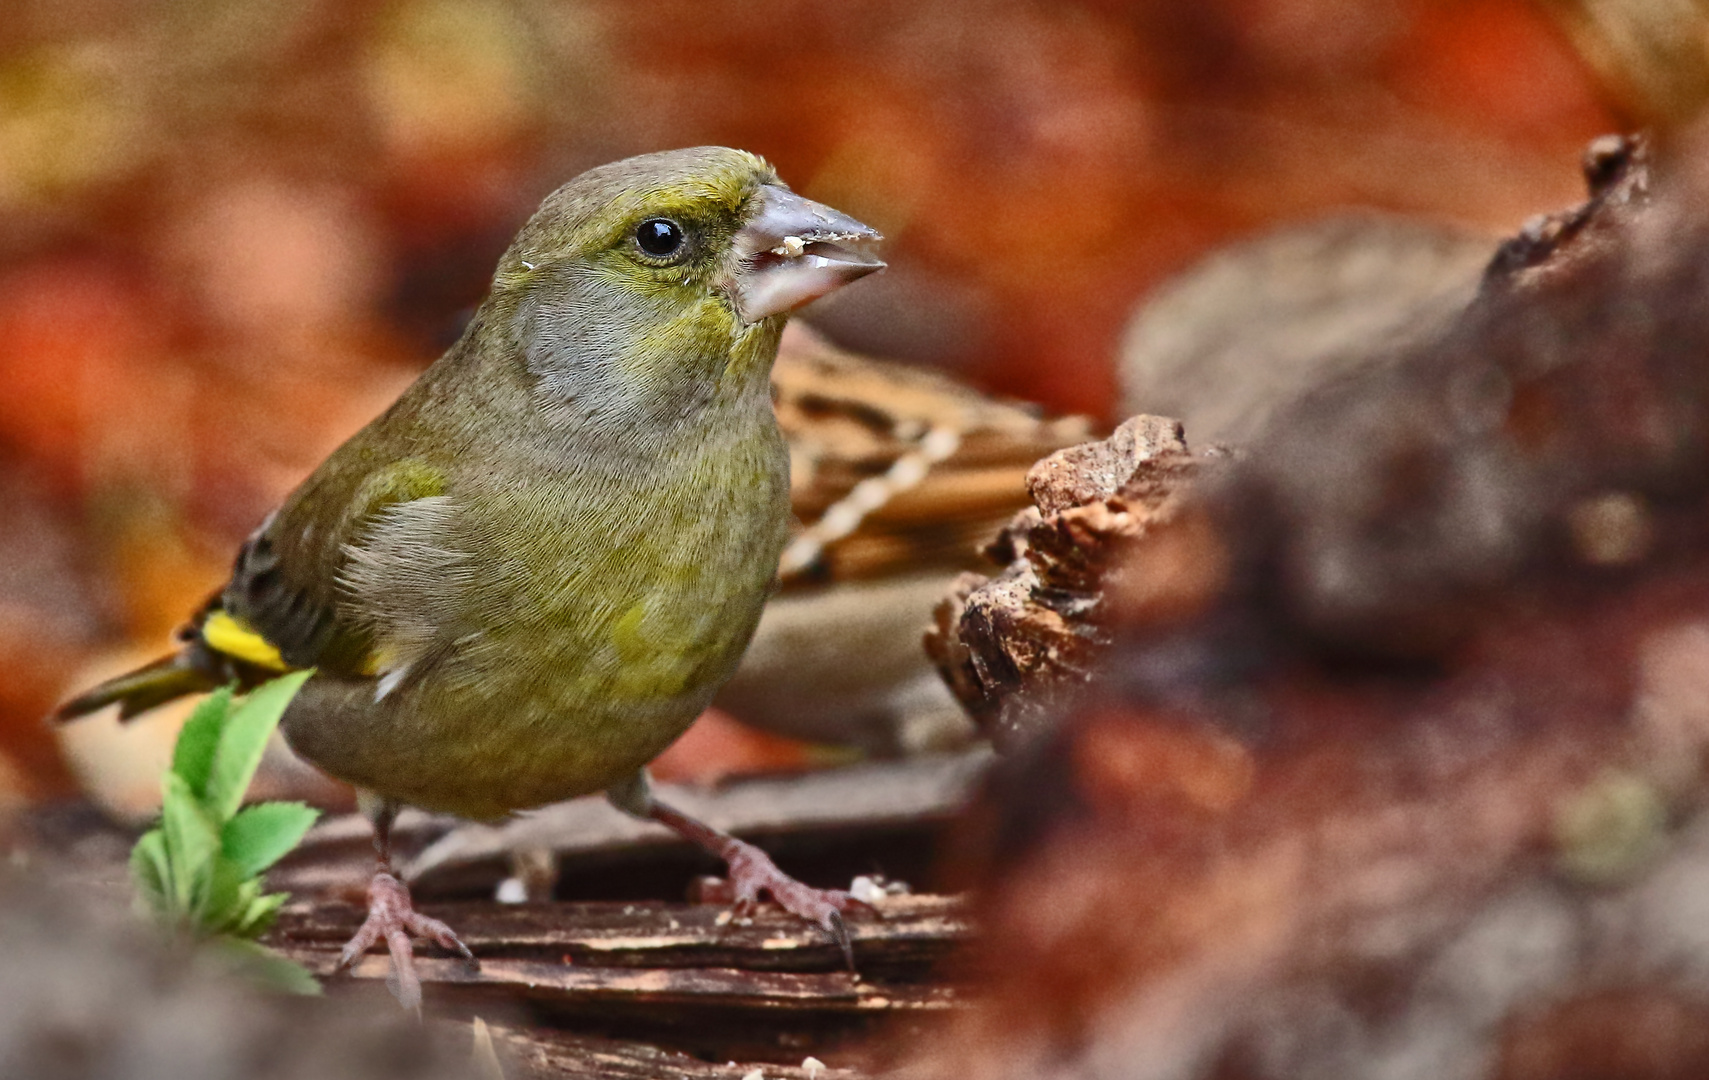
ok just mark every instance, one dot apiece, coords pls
pixel 393 918
pixel 752 872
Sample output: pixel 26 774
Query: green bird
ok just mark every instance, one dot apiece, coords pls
pixel 532 572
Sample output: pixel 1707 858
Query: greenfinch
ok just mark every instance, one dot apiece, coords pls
pixel 528 576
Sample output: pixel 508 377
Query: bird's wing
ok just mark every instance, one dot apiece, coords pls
pixel 354 593
pixel 405 577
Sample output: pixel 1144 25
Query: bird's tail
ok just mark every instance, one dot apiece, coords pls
pixel 141 690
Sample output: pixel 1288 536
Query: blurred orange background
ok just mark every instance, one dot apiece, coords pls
pixel 232 230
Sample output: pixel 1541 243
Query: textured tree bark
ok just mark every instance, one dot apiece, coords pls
pixel 1015 646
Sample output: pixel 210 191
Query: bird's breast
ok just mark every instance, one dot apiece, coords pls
pixel 642 588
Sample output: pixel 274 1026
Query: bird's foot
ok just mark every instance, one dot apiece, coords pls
pixel 393 919
pixel 752 873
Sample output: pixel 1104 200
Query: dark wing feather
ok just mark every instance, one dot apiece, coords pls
pixel 287 603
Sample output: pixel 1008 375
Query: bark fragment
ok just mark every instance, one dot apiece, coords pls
pixel 1010 645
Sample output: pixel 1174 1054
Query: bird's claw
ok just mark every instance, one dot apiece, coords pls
pixel 752 873
pixel 839 931
pixel 393 918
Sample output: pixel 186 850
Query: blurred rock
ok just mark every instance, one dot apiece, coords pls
pixel 1416 787
pixel 85 995
pixel 1255 325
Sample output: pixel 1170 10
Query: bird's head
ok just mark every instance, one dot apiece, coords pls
pixel 647 282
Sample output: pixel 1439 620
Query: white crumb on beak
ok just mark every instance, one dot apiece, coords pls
pixel 812 1067
pixel 791 248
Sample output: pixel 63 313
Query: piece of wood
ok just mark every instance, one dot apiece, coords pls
pixel 904 935
pixel 676 975
pixel 1009 645
pixel 543 1054
pixel 724 989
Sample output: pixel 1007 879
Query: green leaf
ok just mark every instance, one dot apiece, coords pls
pixel 268 967
pixel 150 872
pixel 259 915
pixel 261 835
pixel 236 894
pixel 221 904
pixel 200 867
pixel 244 739
pixel 193 756
pixel 249 914
pixel 192 844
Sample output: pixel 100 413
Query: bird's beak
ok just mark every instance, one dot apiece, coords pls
pixel 794 250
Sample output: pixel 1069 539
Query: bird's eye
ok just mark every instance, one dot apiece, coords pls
pixel 659 237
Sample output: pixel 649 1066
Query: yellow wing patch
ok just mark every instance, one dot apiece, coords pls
pixel 224 633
